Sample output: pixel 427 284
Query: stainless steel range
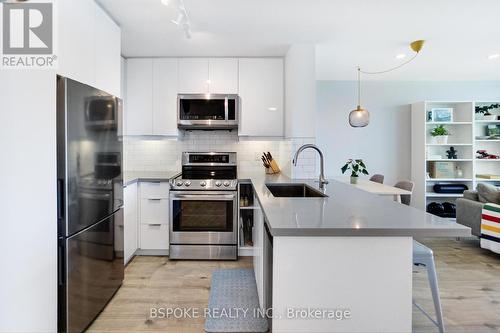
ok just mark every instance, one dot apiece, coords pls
pixel 204 208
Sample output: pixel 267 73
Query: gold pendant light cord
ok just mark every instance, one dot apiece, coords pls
pixel 359 86
pixel 390 69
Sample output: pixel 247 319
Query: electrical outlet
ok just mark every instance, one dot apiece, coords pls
pixel 256 156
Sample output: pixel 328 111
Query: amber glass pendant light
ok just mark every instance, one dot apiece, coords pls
pixel 359 117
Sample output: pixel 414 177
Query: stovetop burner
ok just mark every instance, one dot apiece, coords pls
pixel 207 171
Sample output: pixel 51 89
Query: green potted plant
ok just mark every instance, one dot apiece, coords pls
pixel 440 134
pixel 357 167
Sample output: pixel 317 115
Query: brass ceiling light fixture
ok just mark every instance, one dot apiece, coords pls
pixel 360 117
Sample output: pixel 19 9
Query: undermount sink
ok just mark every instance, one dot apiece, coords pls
pixel 294 190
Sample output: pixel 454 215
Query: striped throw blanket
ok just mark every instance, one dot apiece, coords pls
pixel 490 227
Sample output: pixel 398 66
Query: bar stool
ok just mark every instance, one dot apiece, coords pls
pixel 377 178
pixel 423 256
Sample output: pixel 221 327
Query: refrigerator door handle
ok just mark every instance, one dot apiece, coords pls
pixel 60 199
pixel 60 263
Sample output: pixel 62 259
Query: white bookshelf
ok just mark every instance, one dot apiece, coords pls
pixel 465 129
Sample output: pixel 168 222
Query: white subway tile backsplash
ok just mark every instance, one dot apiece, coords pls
pixel 165 155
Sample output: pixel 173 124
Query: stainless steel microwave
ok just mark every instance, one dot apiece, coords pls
pixel 207 111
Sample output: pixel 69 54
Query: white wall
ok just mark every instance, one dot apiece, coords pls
pixel 385 143
pixel 28 228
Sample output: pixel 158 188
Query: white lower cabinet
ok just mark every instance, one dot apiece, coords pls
pixel 258 251
pixel 131 218
pixel 153 217
pixel 154 236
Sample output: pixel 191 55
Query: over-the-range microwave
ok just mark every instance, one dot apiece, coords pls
pixel 207 111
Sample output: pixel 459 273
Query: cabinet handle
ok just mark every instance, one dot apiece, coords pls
pixel 154 224
pixel 154 199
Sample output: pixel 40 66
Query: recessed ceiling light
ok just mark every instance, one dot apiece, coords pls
pixel 401 56
pixel 494 56
pixel 164 2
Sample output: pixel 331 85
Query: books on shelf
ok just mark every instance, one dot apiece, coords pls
pixel 487 176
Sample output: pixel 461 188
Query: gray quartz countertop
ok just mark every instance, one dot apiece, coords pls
pixel 131 177
pixel 347 211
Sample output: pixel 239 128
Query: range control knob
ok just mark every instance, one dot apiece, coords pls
pixel 218 183
pixel 187 183
pixel 179 183
pixel 203 183
pixel 226 183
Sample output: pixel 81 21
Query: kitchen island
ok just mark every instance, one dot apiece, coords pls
pixel 340 263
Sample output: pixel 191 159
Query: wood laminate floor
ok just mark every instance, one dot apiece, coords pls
pixel 469 283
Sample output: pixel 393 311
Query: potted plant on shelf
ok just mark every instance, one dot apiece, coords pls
pixel 356 167
pixel 440 134
pixel 483 112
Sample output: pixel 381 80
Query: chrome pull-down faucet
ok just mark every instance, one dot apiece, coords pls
pixel 322 179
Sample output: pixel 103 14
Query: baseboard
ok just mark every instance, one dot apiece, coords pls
pixel 142 252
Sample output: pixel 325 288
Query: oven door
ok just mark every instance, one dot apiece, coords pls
pixel 203 217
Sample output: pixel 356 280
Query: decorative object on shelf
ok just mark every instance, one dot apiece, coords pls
pixel 357 167
pixel 485 112
pixel 459 172
pixel 484 155
pixel 452 153
pixel 445 209
pixel 440 134
pixel 360 117
pixel 493 131
pixel 442 115
pixel 444 170
pixel 450 188
pixel 487 176
pixel 269 163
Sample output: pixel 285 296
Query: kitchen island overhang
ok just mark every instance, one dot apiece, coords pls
pixel 351 250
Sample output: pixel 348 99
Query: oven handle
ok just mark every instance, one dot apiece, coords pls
pixel 98 196
pixel 204 196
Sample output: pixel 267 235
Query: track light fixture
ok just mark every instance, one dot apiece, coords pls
pixel 183 19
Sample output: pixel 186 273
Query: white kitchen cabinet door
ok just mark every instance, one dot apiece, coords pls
pixel 154 236
pixel 193 75
pixel 139 109
pixel 154 211
pixel 223 75
pixel 165 75
pixel 131 218
pixel 76 43
pixel 107 53
pixel 261 97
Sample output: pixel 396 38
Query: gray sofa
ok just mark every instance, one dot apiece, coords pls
pixel 469 210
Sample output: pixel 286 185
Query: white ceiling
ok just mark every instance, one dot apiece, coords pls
pixel 460 34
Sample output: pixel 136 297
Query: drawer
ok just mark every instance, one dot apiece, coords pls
pixel 154 190
pixel 154 236
pixel 154 211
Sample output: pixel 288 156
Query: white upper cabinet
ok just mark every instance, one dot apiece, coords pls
pixel 76 51
pixel 261 97
pixel 107 53
pixel 165 73
pixel 139 108
pixel 223 75
pixel 215 75
pixel 193 75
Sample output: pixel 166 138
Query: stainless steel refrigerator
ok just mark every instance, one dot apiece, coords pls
pixel 90 202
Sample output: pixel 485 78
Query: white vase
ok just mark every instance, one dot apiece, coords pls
pixel 441 139
pixel 490 117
